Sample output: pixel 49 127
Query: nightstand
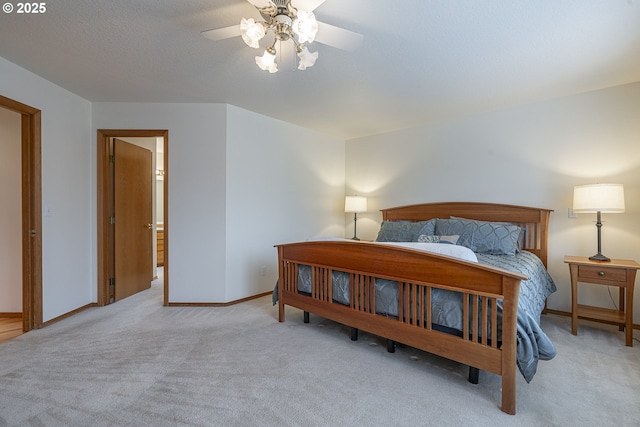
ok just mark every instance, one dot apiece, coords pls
pixel 617 272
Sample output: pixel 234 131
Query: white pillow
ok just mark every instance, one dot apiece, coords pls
pixel 446 249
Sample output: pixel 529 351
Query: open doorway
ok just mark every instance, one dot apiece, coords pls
pixel 111 252
pixel 31 212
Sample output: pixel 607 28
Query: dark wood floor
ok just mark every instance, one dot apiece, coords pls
pixel 10 328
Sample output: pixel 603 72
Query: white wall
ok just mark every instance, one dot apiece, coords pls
pixel 239 183
pixel 10 212
pixel 68 249
pixel 284 184
pixel 196 178
pixel 530 155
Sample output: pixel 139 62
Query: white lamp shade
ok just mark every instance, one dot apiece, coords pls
pixel 598 197
pixel 307 59
pixel 252 32
pixel 355 204
pixel 305 26
pixel 267 62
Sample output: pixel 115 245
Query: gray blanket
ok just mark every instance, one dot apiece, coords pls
pixel 533 343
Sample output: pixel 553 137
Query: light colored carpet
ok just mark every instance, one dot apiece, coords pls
pixel 137 363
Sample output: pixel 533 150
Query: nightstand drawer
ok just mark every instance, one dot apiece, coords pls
pixel 588 272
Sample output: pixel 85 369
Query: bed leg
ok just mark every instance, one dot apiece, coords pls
pixel 474 375
pixel 354 334
pixel 391 346
pixel 280 311
pixel 306 317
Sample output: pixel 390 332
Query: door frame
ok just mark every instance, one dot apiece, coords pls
pixel 31 141
pixel 104 226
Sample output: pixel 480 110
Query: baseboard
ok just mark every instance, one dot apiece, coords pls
pixel 69 314
pixel 11 315
pixel 217 304
pixel 568 314
pixel 557 312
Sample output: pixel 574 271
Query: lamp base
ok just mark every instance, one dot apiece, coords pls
pixel 599 257
pixel 354 238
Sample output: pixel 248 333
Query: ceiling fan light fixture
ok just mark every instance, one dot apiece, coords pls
pixel 267 62
pixel 252 32
pixel 305 26
pixel 293 24
pixel 307 59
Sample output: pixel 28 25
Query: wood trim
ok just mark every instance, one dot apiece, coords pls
pixel 103 228
pixel 10 315
pixel 17 106
pixel 165 207
pixel 104 255
pixel 69 314
pixel 558 312
pixel 218 304
pixel 31 137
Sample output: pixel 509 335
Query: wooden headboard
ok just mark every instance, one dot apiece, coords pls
pixel 535 221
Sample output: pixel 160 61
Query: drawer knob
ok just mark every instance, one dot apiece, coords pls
pixel 600 273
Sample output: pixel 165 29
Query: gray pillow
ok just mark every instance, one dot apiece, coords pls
pixel 404 231
pixel 450 227
pixel 521 236
pixel 481 236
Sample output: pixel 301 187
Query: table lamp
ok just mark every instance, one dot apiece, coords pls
pixel 355 204
pixel 608 198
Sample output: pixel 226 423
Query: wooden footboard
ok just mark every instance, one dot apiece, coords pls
pixel 418 274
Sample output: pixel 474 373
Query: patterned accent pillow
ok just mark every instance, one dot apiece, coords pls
pixel 428 228
pixel 404 231
pixel 425 238
pixel 481 236
pixel 521 236
pixel 452 227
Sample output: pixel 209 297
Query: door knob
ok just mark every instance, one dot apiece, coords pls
pixel 150 226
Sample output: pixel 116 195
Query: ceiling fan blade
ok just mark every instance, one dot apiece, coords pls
pixel 264 6
pixel 261 3
pixel 222 33
pixel 338 37
pixel 306 5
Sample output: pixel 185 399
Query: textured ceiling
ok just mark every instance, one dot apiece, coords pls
pixel 421 60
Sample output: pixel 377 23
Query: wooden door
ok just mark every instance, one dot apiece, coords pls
pixel 133 214
pixel 31 212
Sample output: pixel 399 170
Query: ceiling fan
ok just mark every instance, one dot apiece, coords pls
pixel 292 22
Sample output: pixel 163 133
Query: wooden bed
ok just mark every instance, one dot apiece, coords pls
pixel 417 274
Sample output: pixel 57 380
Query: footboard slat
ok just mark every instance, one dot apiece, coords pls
pixel 465 315
pixel 485 320
pixel 372 286
pixel 421 303
pixel 428 307
pixel 494 321
pixel 475 334
pixel 401 286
